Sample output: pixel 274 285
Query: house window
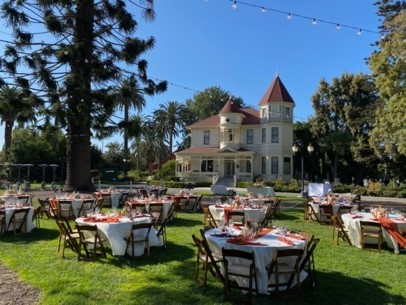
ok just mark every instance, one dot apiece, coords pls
pixel 207 166
pixel 230 135
pixel 263 135
pixel 263 113
pixel 206 137
pixel 250 136
pixel 263 165
pixel 274 166
pixel 287 112
pixel 275 135
pixel 286 166
pixel 247 166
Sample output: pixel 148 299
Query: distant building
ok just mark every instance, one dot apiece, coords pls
pixel 242 143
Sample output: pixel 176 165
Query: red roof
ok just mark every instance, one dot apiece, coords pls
pixel 276 92
pixel 251 117
pixel 230 107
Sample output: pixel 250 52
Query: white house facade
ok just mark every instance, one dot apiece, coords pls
pixel 242 143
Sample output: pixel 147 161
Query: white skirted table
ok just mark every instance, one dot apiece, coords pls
pixel 115 232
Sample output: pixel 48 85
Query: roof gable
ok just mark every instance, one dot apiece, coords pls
pixel 276 92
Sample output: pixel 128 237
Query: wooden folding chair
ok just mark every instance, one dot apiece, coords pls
pixel 18 220
pixel 267 221
pixel 161 233
pixel 45 209
pixel 370 230
pixel 238 263
pixel 191 203
pixel 91 242
pixel 214 259
pixel 307 263
pixel 339 230
pixel 208 221
pixel 139 235
pixel 2 221
pixel 65 209
pixel 67 238
pixel 155 210
pixel 86 207
pixel 311 213
pixel 285 264
pixel 143 193
pixel 203 258
pixel 123 199
pixel 326 212
pixel 237 217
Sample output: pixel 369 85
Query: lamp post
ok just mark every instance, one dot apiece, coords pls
pixel 298 147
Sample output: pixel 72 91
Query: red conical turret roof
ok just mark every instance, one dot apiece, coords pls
pixel 276 92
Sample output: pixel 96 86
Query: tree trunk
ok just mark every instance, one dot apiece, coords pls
pixel 78 175
pixel 8 131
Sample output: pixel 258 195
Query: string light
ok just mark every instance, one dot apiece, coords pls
pixel 359 33
pixel 315 21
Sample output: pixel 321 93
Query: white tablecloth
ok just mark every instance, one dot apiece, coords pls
pixel 354 228
pixel 29 225
pixel 263 254
pixel 116 231
pixel 319 189
pixel 14 199
pixel 249 213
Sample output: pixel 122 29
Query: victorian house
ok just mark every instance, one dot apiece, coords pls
pixel 242 143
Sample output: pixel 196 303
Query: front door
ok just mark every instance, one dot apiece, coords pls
pixel 229 168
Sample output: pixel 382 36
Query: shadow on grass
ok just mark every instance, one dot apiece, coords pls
pixel 159 255
pixel 185 222
pixel 37 234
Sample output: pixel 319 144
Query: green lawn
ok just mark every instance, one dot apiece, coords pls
pixel 345 275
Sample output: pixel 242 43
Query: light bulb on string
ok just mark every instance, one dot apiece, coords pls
pixel 338 27
pixel 359 33
pixel 263 10
pixel 289 16
pixel 314 22
pixel 234 5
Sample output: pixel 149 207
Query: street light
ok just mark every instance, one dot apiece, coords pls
pixel 298 147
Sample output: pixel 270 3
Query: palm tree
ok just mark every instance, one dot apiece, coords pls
pixel 128 96
pixel 168 119
pixel 13 107
pixel 150 145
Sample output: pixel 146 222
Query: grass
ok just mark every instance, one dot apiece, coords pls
pixel 345 275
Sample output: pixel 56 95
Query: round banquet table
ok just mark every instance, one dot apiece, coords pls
pixel 116 231
pixel 263 253
pixel 352 222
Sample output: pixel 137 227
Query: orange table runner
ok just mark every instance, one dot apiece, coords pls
pixel 390 226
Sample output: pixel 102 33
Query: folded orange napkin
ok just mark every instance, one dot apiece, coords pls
pixel 286 241
pixel 263 232
pixel 296 236
pixel 241 240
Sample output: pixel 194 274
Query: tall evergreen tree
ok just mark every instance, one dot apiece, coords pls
pixel 82 54
pixel 388 65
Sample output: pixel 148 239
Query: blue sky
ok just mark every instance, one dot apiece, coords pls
pixel 205 43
